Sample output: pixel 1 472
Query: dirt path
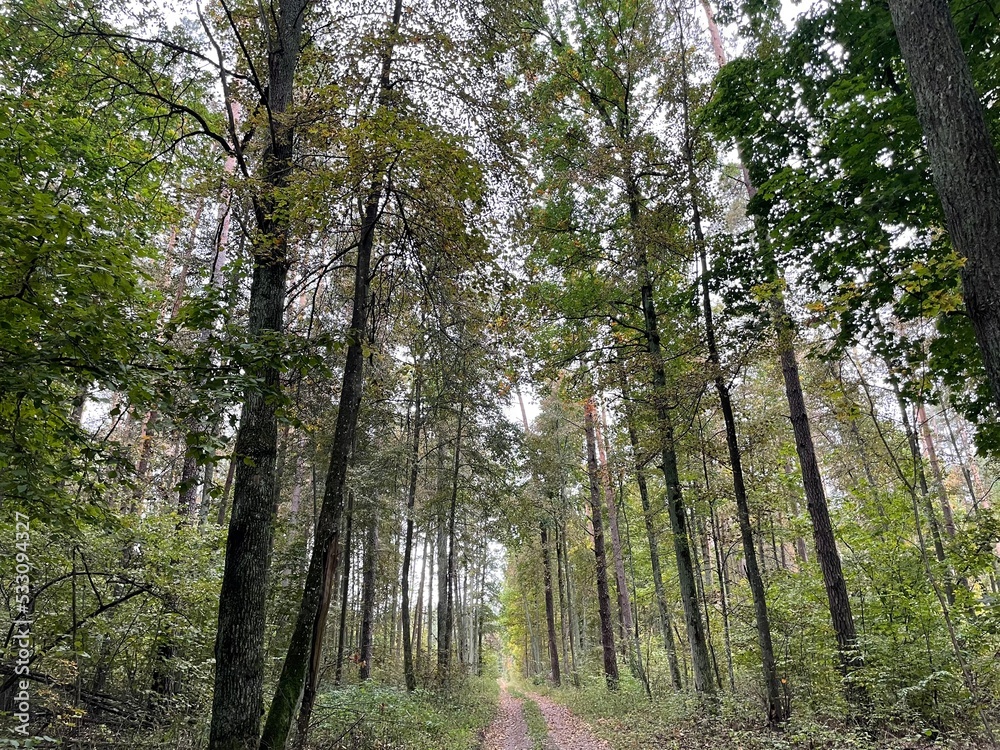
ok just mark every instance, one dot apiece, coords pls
pixel 566 732
pixel 508 731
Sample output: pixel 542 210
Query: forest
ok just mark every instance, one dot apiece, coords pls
pixel 499 374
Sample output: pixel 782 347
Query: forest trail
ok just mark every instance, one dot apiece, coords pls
pixel 509 729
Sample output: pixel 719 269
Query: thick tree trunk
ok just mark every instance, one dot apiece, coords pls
pixel 237 703
pixel 603 595
pixel 305 648
pixel 411 494
pixel 963 159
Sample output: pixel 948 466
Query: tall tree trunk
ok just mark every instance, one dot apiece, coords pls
pixel 237 703
pixel 666 628
pixel 368 597
pixel 826 546
pixel 630 641
pixel 301 664
pixel 550 614
pixel 700 663
pixel 411 494
pixel 777 711
pixel 418 611
pixel 564 639
pixel 963 159
pixel 573 624
pixel 445 639
pixel 603 595
pixel 345 588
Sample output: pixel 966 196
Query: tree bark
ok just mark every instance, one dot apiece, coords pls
pixel 237 703
pixel 777 711
pixel 368 566
pixel 411 494
pixel 630 641
pixel 550 614
pixel 306 645
pixel 963 159
pixel 603 595
pixel 701 667
pixel 445 639
pixel 345 589
pixel 666 628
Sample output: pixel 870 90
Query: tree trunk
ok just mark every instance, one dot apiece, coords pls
pixel 418 611
pixel 550 614
pixel 345 588
pixel 237 703
pixel 630 641
pixel 603 595
pixel 777 711
pixel 700 663
pixel 445 639
pixel 963 159
pixel 666 629
pixel 368 597
pixel 826 546
pixel 411 494
pixel 306 645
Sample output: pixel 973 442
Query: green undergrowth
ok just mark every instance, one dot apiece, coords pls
pixel 372 716
pixel 538 731
pixel 628 720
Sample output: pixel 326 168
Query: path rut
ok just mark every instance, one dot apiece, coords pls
pixel 509 730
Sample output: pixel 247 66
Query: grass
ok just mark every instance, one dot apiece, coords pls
pixel 370 716
pixel 630 721
pixel 538 731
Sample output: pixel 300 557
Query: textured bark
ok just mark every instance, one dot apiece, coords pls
pixel 237 703
pixel 368 566
pixel 701 667
pixel 603 595
pixel 305 648
pixel 550 613
pixel 630 641
pixel 411 494
pixel 963 159
pixel 445 638
pixel 777 710
pixel 826 546
pixel 666 629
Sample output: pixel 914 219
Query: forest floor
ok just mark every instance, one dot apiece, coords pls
pixel 525 721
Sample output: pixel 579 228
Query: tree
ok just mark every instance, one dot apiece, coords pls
pixel 963 158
